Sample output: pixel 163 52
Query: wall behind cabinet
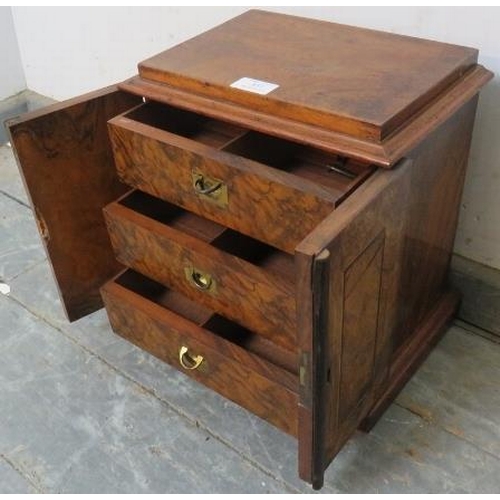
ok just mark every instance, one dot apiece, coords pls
pixel 12 78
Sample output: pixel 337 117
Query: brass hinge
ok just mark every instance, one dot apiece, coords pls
pixel 303 367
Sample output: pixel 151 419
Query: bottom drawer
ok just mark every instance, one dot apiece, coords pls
pixel 238 364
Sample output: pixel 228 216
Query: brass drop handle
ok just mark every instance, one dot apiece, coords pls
pixel 187 361
pixel 209 188
pixel 199 279
pixel 202 281
pixel 206 187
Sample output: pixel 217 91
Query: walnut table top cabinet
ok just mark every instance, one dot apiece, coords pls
pixel 270 207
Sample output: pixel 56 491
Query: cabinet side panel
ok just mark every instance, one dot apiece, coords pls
pixel 433 206
pixel 65 158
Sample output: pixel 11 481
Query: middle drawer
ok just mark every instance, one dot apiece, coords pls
pixel 241 278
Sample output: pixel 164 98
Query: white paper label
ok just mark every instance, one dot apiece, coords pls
pixel 253 85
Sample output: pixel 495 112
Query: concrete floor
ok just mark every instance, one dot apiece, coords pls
pixel 82 410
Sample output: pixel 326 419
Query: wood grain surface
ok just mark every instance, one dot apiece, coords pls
pixel 345 326
pixel 364 89
pixel 255 294
pixel 65 159
pixel 161 163
pixel 437 182
pixel 413 302
pixel 385 153
pixel 413 353
pixel 245 378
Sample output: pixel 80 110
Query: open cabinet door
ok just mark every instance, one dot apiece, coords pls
pixel 66 162
pixel 348 275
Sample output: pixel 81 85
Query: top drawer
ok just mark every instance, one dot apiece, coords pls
pixel 270 189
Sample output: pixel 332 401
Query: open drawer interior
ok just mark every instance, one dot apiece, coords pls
pixel 208 131
pixel 207 319
pixel 260 254
pixel 334 173
pixel 337 175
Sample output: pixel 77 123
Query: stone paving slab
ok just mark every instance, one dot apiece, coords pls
pixel 10 180
pixel 458 389
pixel 20 244
pixel 71 423
pixel 11 481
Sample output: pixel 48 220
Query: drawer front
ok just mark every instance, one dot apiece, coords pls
pixel 250 381
pixel 219 185
pixel 241 291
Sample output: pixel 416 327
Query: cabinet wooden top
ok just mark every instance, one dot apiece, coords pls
pixel 355 81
